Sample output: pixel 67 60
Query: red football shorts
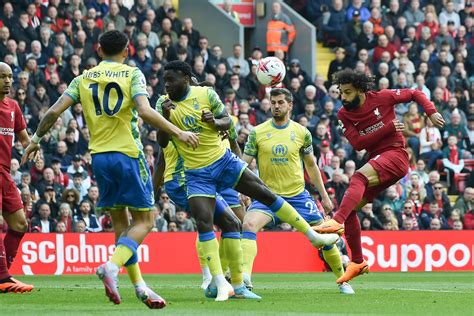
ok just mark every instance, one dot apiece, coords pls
pixel 10 199
pixel 391 166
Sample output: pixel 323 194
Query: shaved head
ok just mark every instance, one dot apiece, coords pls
pixel 6 79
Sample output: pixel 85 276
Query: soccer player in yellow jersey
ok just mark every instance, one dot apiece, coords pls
pixel 212 167
pixel 170 171
pixel 113 95
pixel 281 146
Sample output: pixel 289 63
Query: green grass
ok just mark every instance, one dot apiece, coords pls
pixel 283 294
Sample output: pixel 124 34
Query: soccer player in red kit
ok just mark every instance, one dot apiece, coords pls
pixel 11 206
pixel 368 121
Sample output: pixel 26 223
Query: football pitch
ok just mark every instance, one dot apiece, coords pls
pixel 427 293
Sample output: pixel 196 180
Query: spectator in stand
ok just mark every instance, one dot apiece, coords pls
pixel 115 17
pixel 161 225
pixel 367 212
pixel 295 71
pixel 392 198
pixel 65 217
pixel 338 184
pixel 439 196
pixel 413 126
pixel 184 223
pixel 452 160
pixel 465 202
pixel 43 223
pixel 86 214
pixel 80 226
pixel 237 58
pixel 408 214
pixel 280 31
pixel 430 143
pixel 456 128
pixel 337 64
pixel 72 198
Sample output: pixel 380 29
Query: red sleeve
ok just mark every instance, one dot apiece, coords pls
pixel 360 142
pixel 20 123
pixel 408 95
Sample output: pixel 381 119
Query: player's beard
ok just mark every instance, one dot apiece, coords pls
pixel 279 117
pixel 354 104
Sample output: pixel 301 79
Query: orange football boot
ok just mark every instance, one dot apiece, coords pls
pixel 329 227
pixel 352 270
pixel 12 285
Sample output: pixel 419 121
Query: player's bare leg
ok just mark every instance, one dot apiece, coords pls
pixel 253 223
pixel 365 177
pixel 252 186
pixel 7 283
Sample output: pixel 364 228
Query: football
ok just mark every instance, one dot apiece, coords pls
pixel 271 71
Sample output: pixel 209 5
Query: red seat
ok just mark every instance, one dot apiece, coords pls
pixel 460 181
pixel 469 164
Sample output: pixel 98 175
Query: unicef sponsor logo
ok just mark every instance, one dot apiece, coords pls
pixel 280 150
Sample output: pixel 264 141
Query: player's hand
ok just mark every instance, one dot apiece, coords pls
pixel 167 106
pixel 31 153
pixel 399 126
pixel 437 119
pixel 208 117
pixel 327 205
pixel 190 138
pixel 224 134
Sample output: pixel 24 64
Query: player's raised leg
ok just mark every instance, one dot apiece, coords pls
pixel 252 186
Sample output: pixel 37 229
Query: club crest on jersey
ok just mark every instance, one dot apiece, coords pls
pixel 12 115
pixel 377 113
pixel 196 104
pixel 292 136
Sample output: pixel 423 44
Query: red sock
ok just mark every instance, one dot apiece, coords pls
pixel 352 231
pixel 12 242
pixel 3 262
pixel 352 197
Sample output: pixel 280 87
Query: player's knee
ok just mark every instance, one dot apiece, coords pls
pixel 204 227
pixel 232 224
pixel 21 226
pixel 250 225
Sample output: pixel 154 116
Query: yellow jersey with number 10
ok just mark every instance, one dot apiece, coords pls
pixel 106 93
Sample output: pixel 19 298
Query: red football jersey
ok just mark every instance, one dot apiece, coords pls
pixel 11 122
pixel 370 126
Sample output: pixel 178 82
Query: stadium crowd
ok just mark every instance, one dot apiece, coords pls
pixel 425 45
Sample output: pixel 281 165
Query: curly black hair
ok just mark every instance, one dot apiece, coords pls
pixel 359 80
pixel 113 42
pixel 178 65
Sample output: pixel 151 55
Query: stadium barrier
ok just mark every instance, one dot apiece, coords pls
pixel 277 252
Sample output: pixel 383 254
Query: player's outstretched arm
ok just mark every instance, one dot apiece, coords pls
pixel 158 174
pixel 23 138
pixel 156 120
pixel 315 176
pixel 61 105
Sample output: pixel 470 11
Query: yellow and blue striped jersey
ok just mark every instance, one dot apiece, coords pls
pixel 279 152
pixel 106 93
pixel 187 116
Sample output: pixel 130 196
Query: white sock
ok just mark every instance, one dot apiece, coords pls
pixel 112 267
pixel 312 235
pixel 220 280
pixel 140 284
pixel 213 283
pixel 236 286
pixel 206 273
